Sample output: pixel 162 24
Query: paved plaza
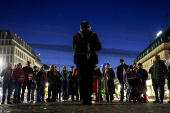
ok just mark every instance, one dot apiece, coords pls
pixel 76 107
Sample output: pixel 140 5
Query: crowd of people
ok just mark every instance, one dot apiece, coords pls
pixel 86 43
pixel 19 78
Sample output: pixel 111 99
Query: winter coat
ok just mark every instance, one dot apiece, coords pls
pixel 95 45
pixel 18 75
pixel 158 70
pixel 109 81
pixel 143 74
pixel 6 73
pixel 41 78
pixel 53 77
pixel 28 74
pixel 119 72
pixel 65 75
pixel 133 78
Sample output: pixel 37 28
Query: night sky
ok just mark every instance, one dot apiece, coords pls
pixel 125 27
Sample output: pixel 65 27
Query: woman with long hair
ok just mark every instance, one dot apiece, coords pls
pixel 53 81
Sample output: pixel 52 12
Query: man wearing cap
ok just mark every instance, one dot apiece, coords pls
pixel 158 72
pixel 7 83
pixel 122 67
pixel 28 81
pixel 85 45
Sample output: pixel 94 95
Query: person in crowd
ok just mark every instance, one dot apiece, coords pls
pixel 65 77
pixel 142 86
pixel 40 83
pixel 58 95
pixel 158 71
pixel 133 79
pixel 168 78
pixel 109 76
pixel 72 85
pixel 76 82
pixel 135 68
pixel 85 45
pixel 120 69
pixel 19 77
pixel 7 83
pixel 33 85
pixel 28 81
pixel 97 73
pixel 53 80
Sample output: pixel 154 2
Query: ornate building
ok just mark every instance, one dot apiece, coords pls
pixel 160 45
pixel 14 50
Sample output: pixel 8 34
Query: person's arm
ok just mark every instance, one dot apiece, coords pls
pixel 98 44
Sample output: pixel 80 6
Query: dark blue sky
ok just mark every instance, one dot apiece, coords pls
pixel 125 27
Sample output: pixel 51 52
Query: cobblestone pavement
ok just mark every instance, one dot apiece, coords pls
pixel 76 107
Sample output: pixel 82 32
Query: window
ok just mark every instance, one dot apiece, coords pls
pixel 16 51
pixel 10 42
pixel 4 50
pixel 11 59
pixel 12 50
pixel 6 42
pixel 8 49
pixel 0 50
pixel 3 43
pixel 7 58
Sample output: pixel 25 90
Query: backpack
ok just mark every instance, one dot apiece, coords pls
pixel 83 47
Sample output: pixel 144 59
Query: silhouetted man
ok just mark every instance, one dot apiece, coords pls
pixel 85 45
pixel 119 72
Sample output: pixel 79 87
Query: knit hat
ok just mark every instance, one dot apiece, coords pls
pixel 130 67
pixel 121 60
pixel 140 64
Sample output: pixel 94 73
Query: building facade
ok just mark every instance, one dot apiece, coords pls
pixel 14 50
pixel 160 45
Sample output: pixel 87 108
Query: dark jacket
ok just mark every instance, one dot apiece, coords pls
pixel 143 74
pixel 6 73
pixel 28 73
pixel 109 81
pixel 53 77
pixel 133 78
pixel 41 78
pixel 80 54
pixel 159 71
pixel 119 72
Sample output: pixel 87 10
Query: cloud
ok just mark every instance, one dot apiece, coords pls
pixel 104 52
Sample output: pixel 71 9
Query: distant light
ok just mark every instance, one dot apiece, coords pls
pixel 119 86
pixel 46 84
pixel 159 33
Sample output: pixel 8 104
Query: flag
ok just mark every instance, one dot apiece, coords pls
pixel 38 54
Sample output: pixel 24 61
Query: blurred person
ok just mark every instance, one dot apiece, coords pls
pixel 133 80
pixel 7 83
pixel 120 69
pixel 85 45
pixel 53 81
pixel 40 83
pixel 142 86
pixel 19 77
pixel 109 85
pixel 65 77
pixel 72 85
pixel 168 78
pixel 33 85
pixel 76 82
pixel 97 73
pixel 158 71
pixel 28 81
